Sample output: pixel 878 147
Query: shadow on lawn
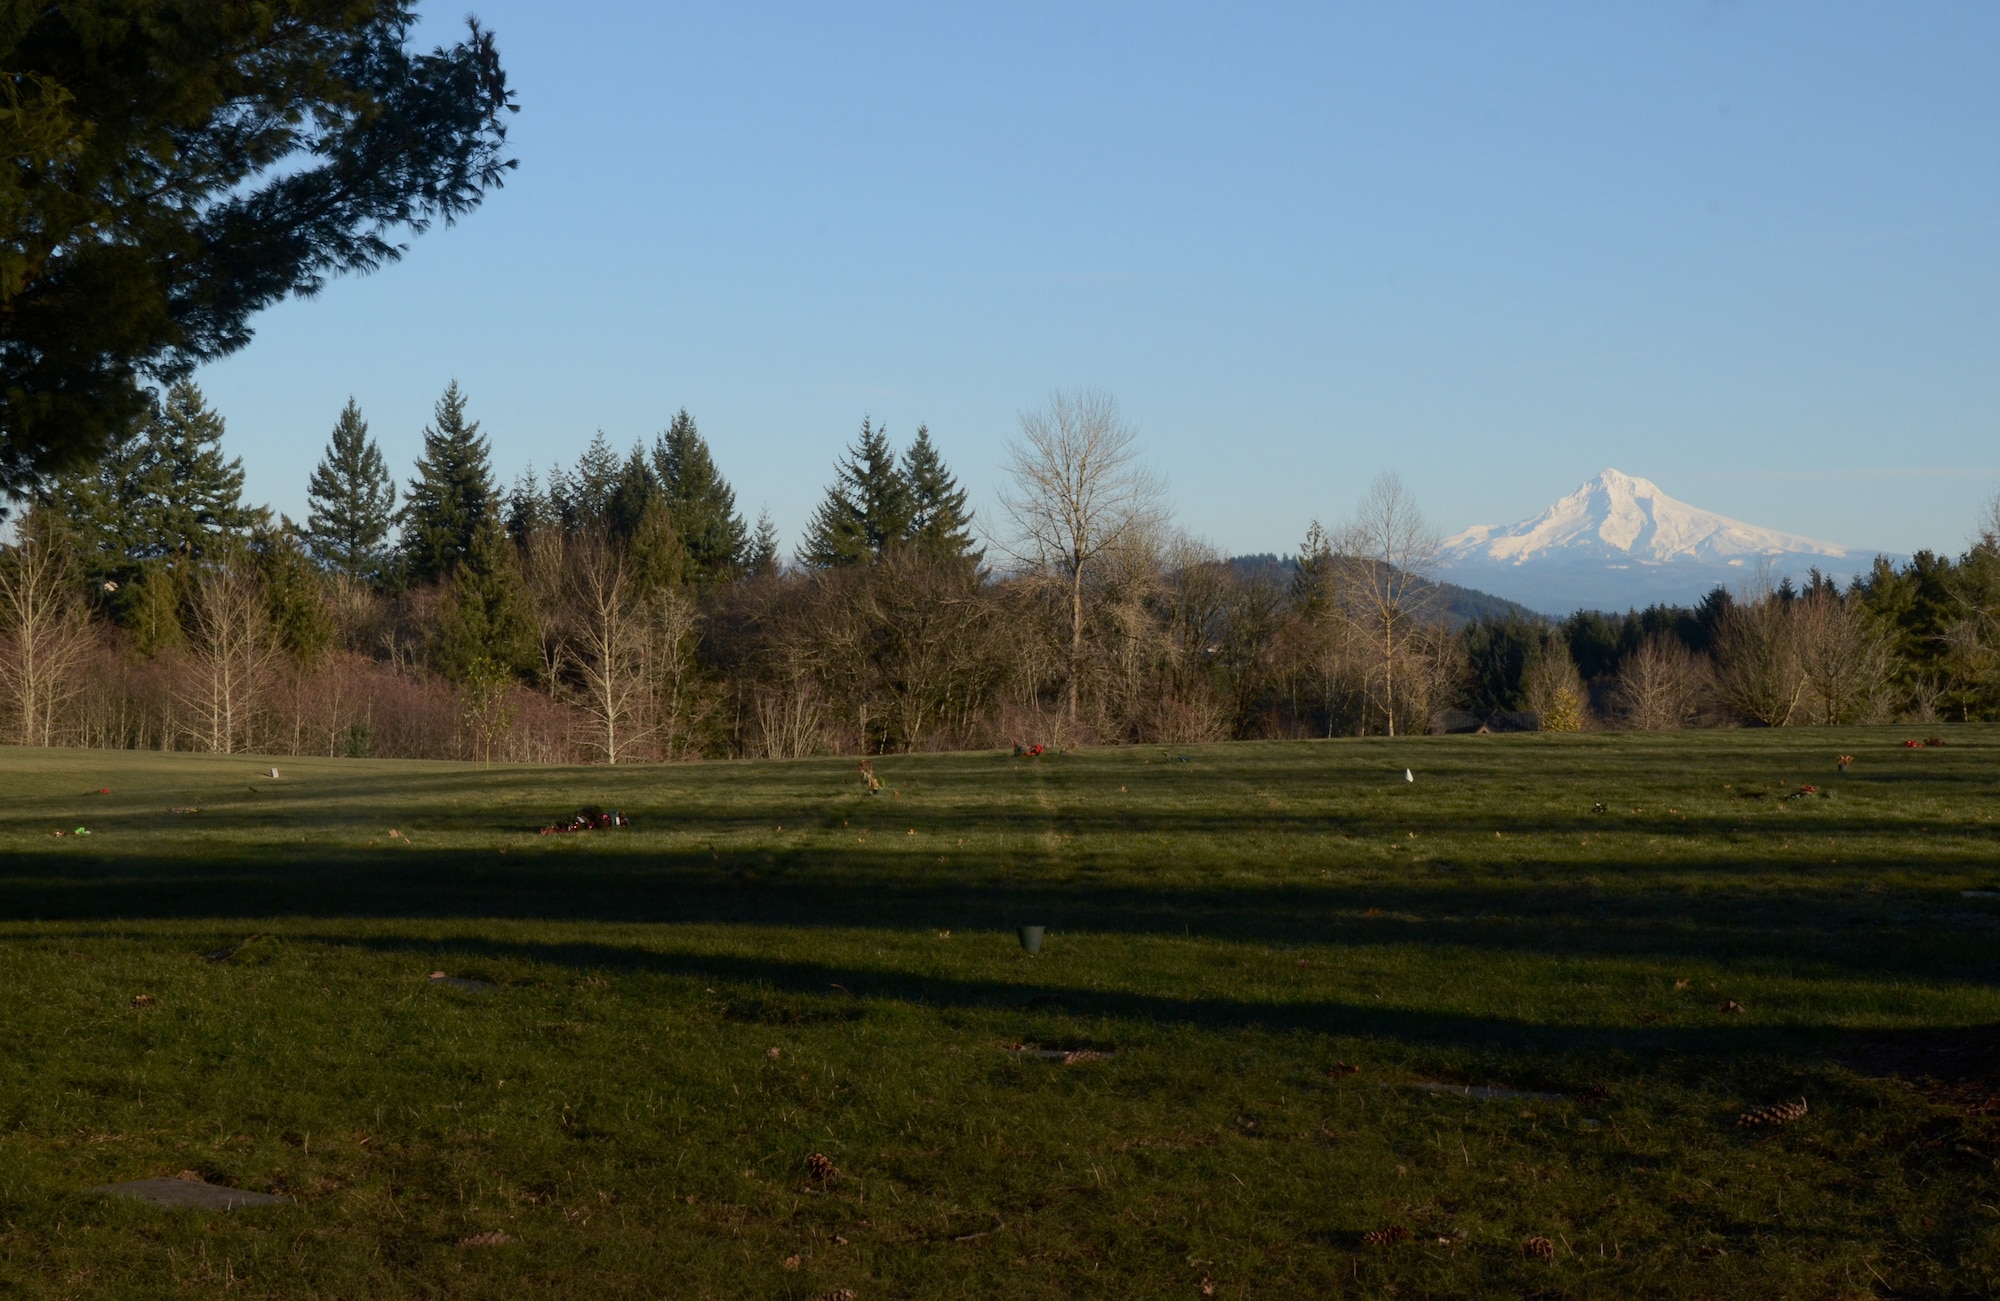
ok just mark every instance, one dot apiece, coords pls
pixel 1742 913
pixel 813 985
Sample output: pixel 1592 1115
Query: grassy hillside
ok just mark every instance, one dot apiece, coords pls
pixel 770 964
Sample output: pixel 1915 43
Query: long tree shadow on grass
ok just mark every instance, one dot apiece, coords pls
pixel 813 991
pixel 1740 915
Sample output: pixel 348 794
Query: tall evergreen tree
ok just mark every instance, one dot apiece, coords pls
pixel 162 499
pixel 528 507
pixel 192 503
pixel 635 492
pixel 485 632
pixel 658 559
pixel 702 502
pixel 867 508
pixel 352 500
pixel 940 523
pixel 452 496
pixel 581 496
pixel 762 561
pixel 100 508
pixel 294 590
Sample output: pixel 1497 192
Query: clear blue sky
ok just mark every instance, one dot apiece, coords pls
pixel 1751 251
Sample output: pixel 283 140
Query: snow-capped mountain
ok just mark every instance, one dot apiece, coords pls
pixel 1618 541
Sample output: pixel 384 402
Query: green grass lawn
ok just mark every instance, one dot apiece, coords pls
pixel 771 964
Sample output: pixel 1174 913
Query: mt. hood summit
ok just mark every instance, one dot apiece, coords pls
pixel 1618 541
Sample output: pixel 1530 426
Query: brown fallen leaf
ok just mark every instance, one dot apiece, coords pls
pixel 1343 1068
pixel 792 1263
pixel 142 1000
pixel 773 1053
pixel 1732 1006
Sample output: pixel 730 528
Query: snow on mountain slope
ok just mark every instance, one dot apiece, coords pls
pixel 1618 516
pixel 1619 541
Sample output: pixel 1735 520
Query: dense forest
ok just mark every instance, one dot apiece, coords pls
pixel 623 610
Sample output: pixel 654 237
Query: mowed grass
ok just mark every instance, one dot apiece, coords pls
pixel 771 964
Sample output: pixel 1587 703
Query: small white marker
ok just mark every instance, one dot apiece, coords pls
pixel 1409 776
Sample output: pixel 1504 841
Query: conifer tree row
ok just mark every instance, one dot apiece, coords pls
pixel 677 481
pixel 877 504
pixel 162 500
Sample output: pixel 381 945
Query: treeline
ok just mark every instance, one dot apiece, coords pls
pixel 623 610
pixel 1920 643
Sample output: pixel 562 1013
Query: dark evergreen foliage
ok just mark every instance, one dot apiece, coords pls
pixel 485 628
pixel 763 559
pixel 293 595
pixel 528 508
pixel 653 546
pixel 452 496
pixel 581 496
pixel 1497 654
pixel 701 501
pixel 163 498
pixel 940 520
pixel 636 493
pixel 176 166
pixel 867 509
pixel 353 502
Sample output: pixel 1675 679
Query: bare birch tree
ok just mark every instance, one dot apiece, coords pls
pixel 607 647
pixel 1078 489
pixel 230 650
pixel 44 631
pixel 1389 556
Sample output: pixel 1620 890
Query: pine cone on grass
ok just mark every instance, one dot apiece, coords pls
pixel 1784 1113
pixel 1386 1237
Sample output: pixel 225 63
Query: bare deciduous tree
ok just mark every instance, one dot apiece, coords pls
pixel 1760 672
pixel 1661 686
pixel 43 629
pixel 1845 663
pixel 1388 555
pixel 606 646
pixel 230 650
pixel 676 699
pixel 1078 489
